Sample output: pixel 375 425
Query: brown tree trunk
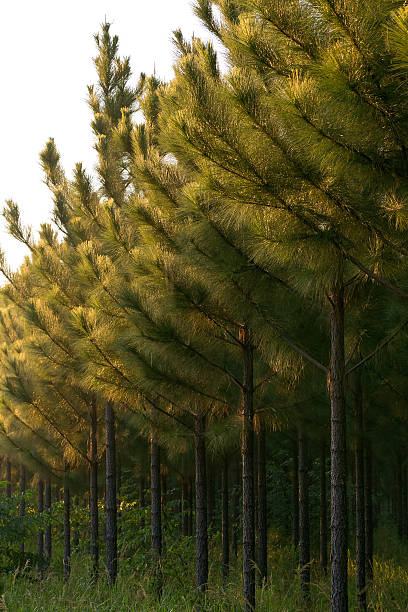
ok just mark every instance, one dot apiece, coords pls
pixel 225 520
pixel 47 541
pixel 93 490
pixel 22 505
pixel 262 508
pixel 304 523
pixel 339 549
pixel 235 509
pixel 111 501
pixel 295 496
pixel 368 499
pixel 247 450
pixel 67 529
pixel 201 504
pixel 40 534
pixel 8 477
pixel 323 510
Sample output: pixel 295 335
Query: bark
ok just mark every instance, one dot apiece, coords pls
pixel 360 519
pixel 47 541
pixel 201 504
pixel 190 506
pixel 304 522
pixel 339 596
pixel 368 499
pixel 262 508
pixel 225 520
pixel 323 510
pixel 40 534
pixel 295 497
pixel 8 477
pixel 247 450
pixel 110 493
pixel 22 505
pixel 93 490
pixel 235 510
pixel 67 530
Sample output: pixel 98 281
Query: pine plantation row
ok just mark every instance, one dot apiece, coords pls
pixel 228 286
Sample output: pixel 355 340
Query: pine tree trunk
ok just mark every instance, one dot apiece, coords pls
pixel 184 506
pixel 111 502
pixel 295 496
pixel 142 502
pixel 22 505
pixel 304 523
pixel 235 509
pixel 368 499
pixel 323 510
pixel 47 541
pixel 67 530
pixel 247 449
pixel 225 520
pixel 339 550
pixel 40 534
pixel 156 522
pixel 8 477
pixel 360 505
pixel 190 506
pixel 201 504
pixel 93 490
pixel 262 508
pixel 210 496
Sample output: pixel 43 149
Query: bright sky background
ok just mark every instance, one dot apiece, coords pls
pixel 47 48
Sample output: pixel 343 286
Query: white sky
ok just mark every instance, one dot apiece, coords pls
pixel 46 51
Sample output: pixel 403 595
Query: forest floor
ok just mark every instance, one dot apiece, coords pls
pixel 28 593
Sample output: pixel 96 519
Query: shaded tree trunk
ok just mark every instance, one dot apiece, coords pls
pixel 247 450
pixel 40 534
pixel 67 529
pixel 323 510
pixel 110 492
pixel 368 499
pixel 8 477
pixel 22 505
pixel 93 490
pixel 339 595
pixel 295 496
pixel 235 509
pixel 190 506
pixel 47 541
pixel 225 520
pixel 210 495
pixel 262 508
pixel 201 504
pixel 304 522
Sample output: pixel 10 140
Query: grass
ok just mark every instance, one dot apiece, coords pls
pixel 25 592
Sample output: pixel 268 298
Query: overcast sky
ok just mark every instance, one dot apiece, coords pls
pixel 46 50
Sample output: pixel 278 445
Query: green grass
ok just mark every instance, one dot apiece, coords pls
pixel 134 589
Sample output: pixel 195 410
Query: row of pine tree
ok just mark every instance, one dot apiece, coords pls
pixel 236 268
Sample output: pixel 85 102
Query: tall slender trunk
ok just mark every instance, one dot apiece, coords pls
pixel 67 528
pixel 339 596
pixel 142 502
pixel 323 510
pixel 360 522
pixel 225 520
pixel 201 504
pixel 111 502
pixel 40 534
pixel 22 505
pixel 368 499
pixel 184 506
pixel 304 523
pixel 295 496
pixel 262 508
pixel 8 477
pixel 190 506
pixel 47 541
pixel 156 518
pixel 247 450
pixel 93 489
pixel 235 508
pixel 210 495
